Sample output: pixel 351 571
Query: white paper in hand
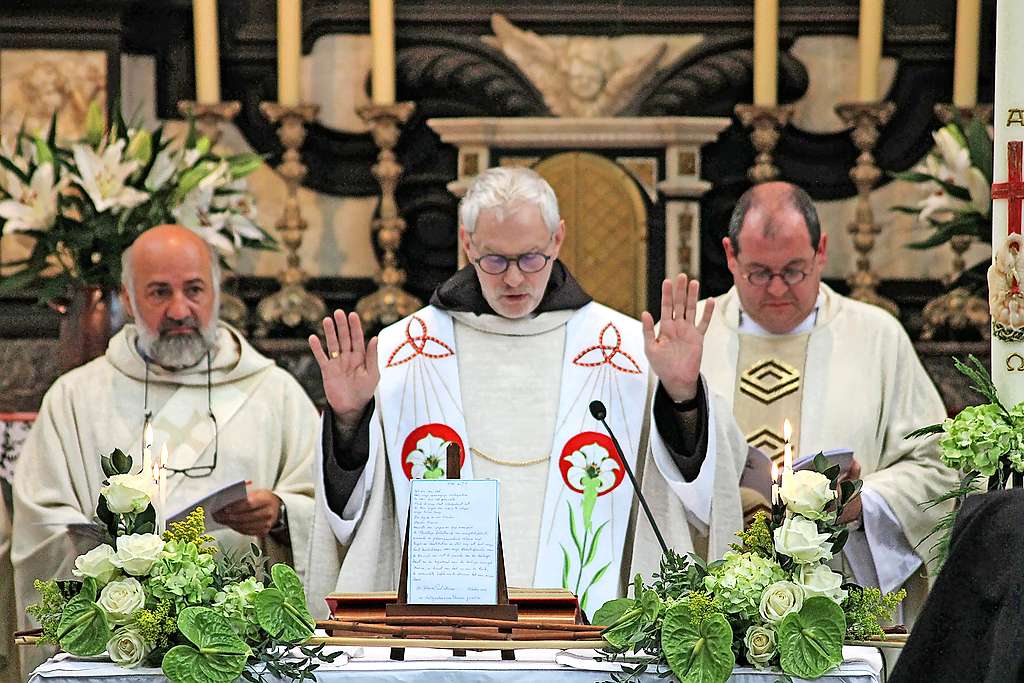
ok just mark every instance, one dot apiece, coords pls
pixel 212 502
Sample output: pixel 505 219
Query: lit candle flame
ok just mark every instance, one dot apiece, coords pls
pixel 787 430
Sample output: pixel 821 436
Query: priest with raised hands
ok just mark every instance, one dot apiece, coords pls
pixel 505 362
pixel 784 346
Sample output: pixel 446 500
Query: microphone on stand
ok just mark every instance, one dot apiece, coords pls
pixel 599 412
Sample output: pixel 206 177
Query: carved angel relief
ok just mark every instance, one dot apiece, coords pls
pixel 583 77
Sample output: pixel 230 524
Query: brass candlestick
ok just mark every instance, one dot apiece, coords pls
pixel 209 120
pixel 866 118
pixel 765 124
pixel 390 302
pixel 292 305
pixel 958 309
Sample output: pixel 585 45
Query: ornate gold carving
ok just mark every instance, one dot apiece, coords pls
pixel 769 380
pixel 577 76
pixel 866 118
pixel 957 309
pixel 765 124
pixel 605 240
pixel 390 303
pixel 292 305
pixel 768 442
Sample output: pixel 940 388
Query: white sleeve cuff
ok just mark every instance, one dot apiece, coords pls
pixel 344 525
pixel 881 556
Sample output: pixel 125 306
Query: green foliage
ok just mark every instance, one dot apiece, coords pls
pixel 192 530
pixel 866 607
pixel 757 538
pixel 679 574
pixel 47 612
pixel 697 651
pixel 84 629
pixel 281 610
pixel 811 641
pixel 739 581
pixel 156 626
pixel 183 575
pixel 219 655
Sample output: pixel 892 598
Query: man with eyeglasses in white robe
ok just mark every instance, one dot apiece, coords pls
pixel 504 363
pixel 179 362
pixel 783 345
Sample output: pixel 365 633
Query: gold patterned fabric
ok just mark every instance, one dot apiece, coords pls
pixel 769 390
pixel 605 244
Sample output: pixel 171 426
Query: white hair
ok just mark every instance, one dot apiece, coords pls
pixel 505 190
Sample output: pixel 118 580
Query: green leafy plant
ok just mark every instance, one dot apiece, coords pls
pixel 84 628
pixel 811 640
pixel 866 608
pixel 281 610
pixel 697 650
pixel 217 654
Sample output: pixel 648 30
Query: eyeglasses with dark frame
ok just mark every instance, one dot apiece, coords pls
pixel 199 471
pixel 530 262
pixel 762 277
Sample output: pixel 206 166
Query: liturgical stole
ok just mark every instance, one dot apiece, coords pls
pixel 769 389
pixel 588 496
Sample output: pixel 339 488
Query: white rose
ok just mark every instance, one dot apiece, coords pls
pixel 137 553
pixel 799 538
pixel 779 599
pixel 818 579
pixel 807 493
pixel 127 648
pixel 121 599
pixel 127 492
pixel 97 563
pixel 760 645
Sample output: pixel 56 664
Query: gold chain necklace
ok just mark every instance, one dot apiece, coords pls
pixel 509 463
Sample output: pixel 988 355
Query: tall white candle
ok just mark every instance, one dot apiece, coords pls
pixel 965 54
pixel 289 51
pixel 382 38
pixel 204 25
pixel 1008 125
pixel 775 484
pixel 161 514
pixel 147 447
pixel 869 49
pixel 766 52
pixel 787 451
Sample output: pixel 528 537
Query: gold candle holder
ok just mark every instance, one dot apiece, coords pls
pixel 292 305
pixel 866 118
pixel 765 124
pixel 390 303
pixel 209 120
pixel 958 309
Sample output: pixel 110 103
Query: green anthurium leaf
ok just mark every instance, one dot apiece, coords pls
pixel 611 611
pixel 84 629
pixel 281 610
pixel 626 629
pixel 811 641
pixel 219 655
pixel 650 605
pixel 697 652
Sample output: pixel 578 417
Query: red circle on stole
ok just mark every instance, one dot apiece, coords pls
pixel 593 454
pixel 420 434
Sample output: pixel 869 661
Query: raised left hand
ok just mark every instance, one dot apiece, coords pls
pixel 254 516
pixel 675 353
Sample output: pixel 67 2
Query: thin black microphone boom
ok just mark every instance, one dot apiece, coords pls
pixel 599 412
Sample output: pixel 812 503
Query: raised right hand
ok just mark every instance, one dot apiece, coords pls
pixel 348 368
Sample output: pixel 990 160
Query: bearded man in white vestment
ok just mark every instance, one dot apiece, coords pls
pixel 504 363
pixel 783 345
pixel 180 363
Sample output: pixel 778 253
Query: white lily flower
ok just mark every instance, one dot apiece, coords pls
pixel 431 453
pixel 9 150
pixel 103 177
pixel 594 462
pixel 938 205
pixel 981 191
pixel 956 157
pixel 32 206
pixel 163 169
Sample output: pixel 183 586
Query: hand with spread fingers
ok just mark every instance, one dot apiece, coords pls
pixel 675 350
pixel 348 367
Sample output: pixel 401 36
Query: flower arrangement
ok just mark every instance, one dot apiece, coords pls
pixel 84 203
pixel 958 175
pixel 173 601
pixel 983 442
pixel 772 601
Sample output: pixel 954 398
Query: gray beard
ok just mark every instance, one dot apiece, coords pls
pixel 177 352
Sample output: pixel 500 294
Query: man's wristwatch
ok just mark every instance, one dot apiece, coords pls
pixel 281 525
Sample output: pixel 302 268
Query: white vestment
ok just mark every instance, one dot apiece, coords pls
pixel 864 388
pixel 510 391
pixel 267 429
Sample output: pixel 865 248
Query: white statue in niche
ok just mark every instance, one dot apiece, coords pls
pixel 578 76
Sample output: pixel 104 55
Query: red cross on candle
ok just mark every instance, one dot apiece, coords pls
pixel 1013 189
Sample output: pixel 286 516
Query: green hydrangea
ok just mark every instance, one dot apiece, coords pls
pixel 183 575
pixel 980 437
pixel 738 582
pixel 236 604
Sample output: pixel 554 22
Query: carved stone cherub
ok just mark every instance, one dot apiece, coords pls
pixel 578 76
